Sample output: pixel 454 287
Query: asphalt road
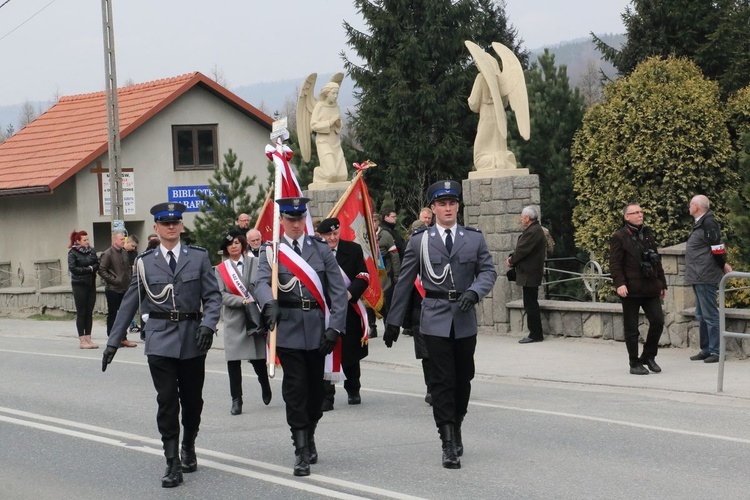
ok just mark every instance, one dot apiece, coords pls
pixel 67 430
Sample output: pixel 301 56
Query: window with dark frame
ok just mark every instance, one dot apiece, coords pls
pixel 195 147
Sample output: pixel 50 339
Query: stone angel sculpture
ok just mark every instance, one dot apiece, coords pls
pixel 493 91
pixel 324 118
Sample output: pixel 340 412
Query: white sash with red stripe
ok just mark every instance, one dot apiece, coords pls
pixel 233 281
pixel 308 277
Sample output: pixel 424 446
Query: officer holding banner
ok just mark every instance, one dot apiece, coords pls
pixel 311 315
pixel 456 272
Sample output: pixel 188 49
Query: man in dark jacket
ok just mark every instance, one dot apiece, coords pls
pixel 389 222
pixel 116 272
pixel 638 277
pixel 351 260
pixel 528 259
pixel 705 264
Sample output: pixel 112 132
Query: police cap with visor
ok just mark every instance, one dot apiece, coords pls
pixel 443 190
pixel 168 212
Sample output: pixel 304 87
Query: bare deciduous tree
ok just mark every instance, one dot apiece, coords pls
pixel 590 85
pixel 27 115
pixel 217 75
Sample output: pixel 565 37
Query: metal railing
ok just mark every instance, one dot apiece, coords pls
pixel 723 333
pixel 591 276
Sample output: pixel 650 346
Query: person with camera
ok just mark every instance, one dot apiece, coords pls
pixel 638 277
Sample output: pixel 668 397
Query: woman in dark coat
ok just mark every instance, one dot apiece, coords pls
pixel 82 266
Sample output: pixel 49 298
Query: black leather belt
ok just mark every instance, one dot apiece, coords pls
pixel 450 295
pixel 175 315
pixel 305 304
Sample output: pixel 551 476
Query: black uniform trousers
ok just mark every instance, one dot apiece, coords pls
pixel 655 316
pixel 452 370
pixel 178 382
pixel 302 386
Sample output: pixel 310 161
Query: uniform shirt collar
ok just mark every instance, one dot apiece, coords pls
pixel 175 251
pixel 441 231
pixel 300 240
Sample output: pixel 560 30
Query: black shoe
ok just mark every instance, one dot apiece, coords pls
pixel 651 364
pixel 406 332
pixel 638 370
pixel 373 333
pixel 236 406
pixel 700 356
pixel 327 405
pixel 428 398
pixel 528 340
pixel 714 358
pixel 265 391
pixel 173 475
pixel 301 453
pixel 354 399
pixel 450 458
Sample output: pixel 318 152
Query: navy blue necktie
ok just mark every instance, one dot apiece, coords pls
pixel 172 261
pixel 448 241
pixel 296 248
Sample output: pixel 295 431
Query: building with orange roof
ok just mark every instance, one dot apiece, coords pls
pixel 54 172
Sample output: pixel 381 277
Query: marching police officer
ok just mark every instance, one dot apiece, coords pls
pixel 311 315
pixel 170 284
pixel 456 271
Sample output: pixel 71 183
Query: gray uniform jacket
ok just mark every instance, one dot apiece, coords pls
pixel 194 286
pixel 472 269
pixel 237 344
pixel 298 329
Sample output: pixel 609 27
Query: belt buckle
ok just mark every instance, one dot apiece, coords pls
pixel 306 303
pixel 174 316
pixel 452 295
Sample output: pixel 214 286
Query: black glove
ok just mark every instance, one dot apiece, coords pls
pixel 328 341
pixel 109 355
pixel 271 314
pixel 204 336
pixel 467 300
pixel 390 335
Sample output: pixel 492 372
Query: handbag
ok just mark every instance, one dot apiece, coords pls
pixel 253 322
pixel 511 274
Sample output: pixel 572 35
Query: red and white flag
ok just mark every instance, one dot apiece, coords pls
pixel 354 212
pixel 289 189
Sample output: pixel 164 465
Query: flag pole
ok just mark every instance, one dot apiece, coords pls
pixel 278 133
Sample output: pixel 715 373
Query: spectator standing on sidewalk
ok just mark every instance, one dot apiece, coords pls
pixel 82 266
pixel 638 276
pixel 705 264
pixel 116 271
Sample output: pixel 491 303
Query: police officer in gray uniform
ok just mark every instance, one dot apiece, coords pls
pixel 175 286
pixel 456 270
pixel 302 338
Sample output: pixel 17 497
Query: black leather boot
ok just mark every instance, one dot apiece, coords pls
pixel 173 475
pixel 301 453
pixel 187 455
pixel 236 406
pixel 265 388
pixel 447 435
pixel 311 443
pixel 457 437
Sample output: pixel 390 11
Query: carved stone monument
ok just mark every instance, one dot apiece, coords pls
pixel 493 90
pixel 323 117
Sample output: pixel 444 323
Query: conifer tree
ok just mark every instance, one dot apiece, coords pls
pixel 229 196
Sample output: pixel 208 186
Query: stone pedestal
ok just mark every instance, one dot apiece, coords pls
pixel 497 172
pixel 494 204
pixel 323 200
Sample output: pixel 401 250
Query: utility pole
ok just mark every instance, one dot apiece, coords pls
pixel 113 119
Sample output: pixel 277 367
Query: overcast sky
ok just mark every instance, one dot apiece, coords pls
pixel 55 47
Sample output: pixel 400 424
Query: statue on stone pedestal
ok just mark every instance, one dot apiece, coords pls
pixel 324 118
pixel 494 90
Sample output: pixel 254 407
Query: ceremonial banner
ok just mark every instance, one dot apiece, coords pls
pixel 354 211
pixel 289 189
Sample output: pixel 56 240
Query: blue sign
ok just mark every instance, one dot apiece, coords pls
pixel 188 195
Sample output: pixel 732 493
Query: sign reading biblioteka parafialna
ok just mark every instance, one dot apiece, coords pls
pixel 188 195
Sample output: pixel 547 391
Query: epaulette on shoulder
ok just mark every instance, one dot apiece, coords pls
pixel 469 228
pixel 417 231
pixel 145 252
pixel 195 247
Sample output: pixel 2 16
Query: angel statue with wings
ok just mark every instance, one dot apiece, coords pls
pixel 324 118
pixel 494 90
